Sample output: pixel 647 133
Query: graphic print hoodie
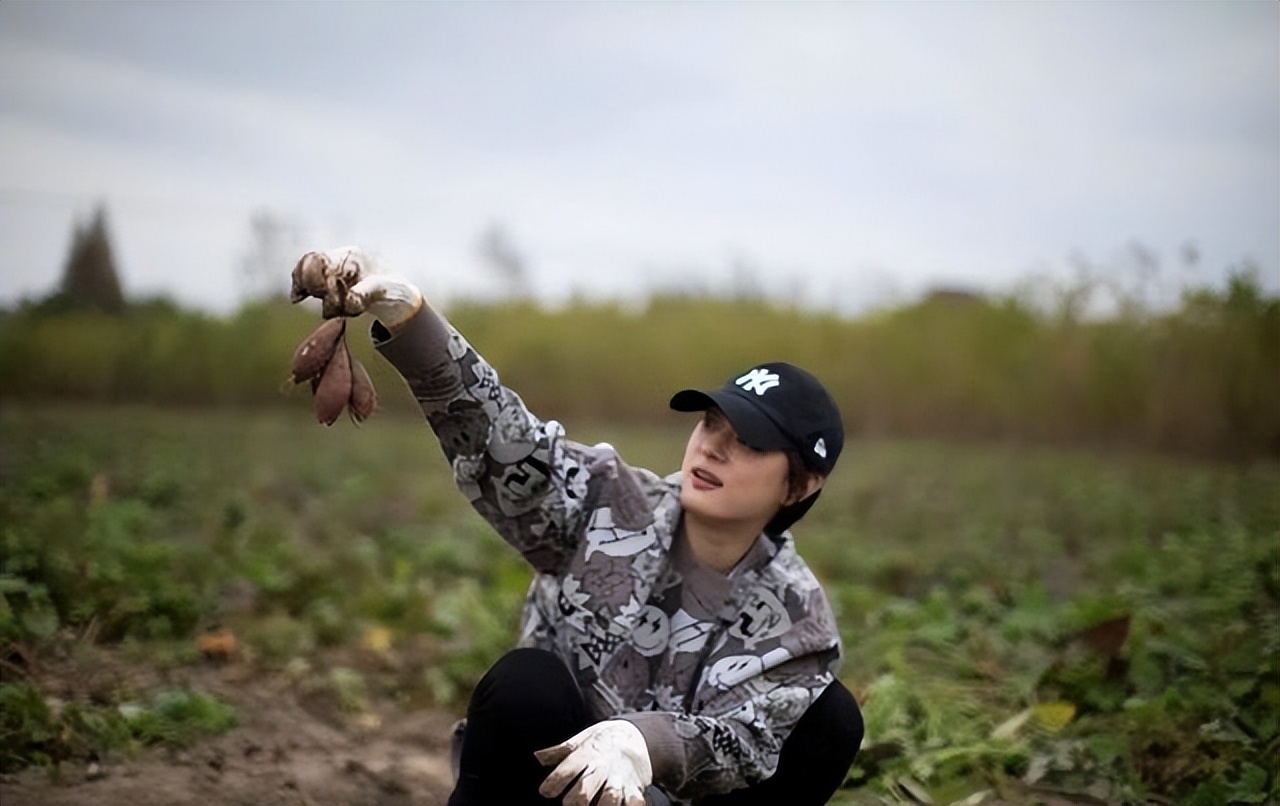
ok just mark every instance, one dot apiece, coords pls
pixel 714 670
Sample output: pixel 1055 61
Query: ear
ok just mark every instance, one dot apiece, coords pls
pixel 814 482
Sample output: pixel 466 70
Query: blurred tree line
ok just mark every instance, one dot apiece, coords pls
pixel 1199 377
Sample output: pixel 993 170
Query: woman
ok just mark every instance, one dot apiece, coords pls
pixel 674 647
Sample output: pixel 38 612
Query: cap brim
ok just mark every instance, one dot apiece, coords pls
pixel 749 420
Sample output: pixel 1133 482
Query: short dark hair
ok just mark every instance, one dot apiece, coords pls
pixel 798 474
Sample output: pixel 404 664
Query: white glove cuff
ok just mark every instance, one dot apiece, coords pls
pixel 390 298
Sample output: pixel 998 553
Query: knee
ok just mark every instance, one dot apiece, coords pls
pixel 526 681
pixel 844 716
pixel 836 718
pixel 524 662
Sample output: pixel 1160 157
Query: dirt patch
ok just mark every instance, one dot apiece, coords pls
pixel 285 751
pixel 294 745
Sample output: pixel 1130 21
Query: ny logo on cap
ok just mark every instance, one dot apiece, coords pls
pixel 758 380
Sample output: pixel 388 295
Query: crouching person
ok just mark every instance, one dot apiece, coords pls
pixel 674 647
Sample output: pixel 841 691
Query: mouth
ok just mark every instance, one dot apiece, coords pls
pixel 705 480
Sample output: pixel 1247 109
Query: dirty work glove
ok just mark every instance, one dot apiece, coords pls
pixel 349 283
pixel 611 757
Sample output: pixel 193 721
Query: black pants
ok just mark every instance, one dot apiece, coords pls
pixel 529 700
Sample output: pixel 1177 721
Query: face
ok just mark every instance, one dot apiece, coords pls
pixel 728 482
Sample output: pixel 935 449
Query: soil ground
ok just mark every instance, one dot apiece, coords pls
pixel 288 749
pixel 292 746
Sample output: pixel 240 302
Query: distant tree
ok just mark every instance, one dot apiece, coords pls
pixel 274 243
pixel 954 296
pixel 500 254
pixel 89 279
pixel 744 281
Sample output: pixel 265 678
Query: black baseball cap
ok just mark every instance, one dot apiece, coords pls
pixel 778 407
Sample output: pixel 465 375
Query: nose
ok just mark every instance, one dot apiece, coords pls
pixel 717 444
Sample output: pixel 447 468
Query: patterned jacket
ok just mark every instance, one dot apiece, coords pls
pixel 714 670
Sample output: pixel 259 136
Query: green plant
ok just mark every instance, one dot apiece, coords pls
pixel 963 576
pixel 37 729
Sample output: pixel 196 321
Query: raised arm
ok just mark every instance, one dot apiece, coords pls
pixel 519 472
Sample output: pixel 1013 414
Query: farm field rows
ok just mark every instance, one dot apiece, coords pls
pixel 1021 624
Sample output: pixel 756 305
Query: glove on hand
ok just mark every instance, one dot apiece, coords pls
pixel 613 761
pixel 349 283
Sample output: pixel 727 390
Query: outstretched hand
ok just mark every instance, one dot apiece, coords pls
pixel 609 759
pixel 349 282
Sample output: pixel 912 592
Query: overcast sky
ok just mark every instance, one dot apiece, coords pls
pixel 843 154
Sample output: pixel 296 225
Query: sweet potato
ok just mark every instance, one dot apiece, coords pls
pixel 334 389
pixel 364 398
pixel 315 351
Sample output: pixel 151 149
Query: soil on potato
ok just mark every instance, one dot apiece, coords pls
pixel 288 749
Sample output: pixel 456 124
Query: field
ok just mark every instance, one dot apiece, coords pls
pixel 238 601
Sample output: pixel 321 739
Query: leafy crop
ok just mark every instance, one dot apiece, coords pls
pixel 146 526
pixel 1019 622
pixel 35 728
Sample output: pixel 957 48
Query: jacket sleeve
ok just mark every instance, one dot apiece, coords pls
pixel 519 472
pixel 735 739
